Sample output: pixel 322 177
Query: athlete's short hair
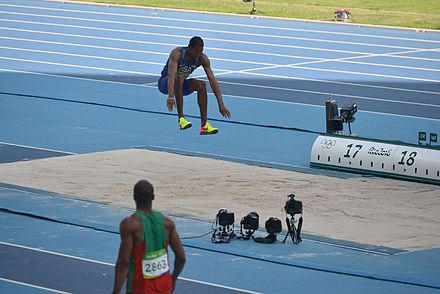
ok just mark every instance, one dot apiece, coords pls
pixel 143 192
pixel 196 41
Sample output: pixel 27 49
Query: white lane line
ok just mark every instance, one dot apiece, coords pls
pixel 34 286
pixel 81 66
pixel 343 60
pixel 111 264
pixel 313 105
pixel 333 94
pixel 349 60
pixel 297 65
pixel 9 70
pixel 221 286
pixel 365 74
pixel 80 55
pixel 339 42
pixel 187 37
pixel 247 97
pixel 38 148
pixel 150 43
pixel 253 26
pixel 390 54
pixel 56 253
pixel 248 71
pixel 382 64
pixel 293 65
pixel 256 74
pixel 109 48
pixel 336 82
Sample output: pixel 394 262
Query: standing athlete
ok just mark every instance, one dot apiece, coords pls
pixel 174 82
pixel 143 254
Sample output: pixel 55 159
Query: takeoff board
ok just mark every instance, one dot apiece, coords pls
pixel 389 159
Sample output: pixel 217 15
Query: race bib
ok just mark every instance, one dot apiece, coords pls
pixel 155 264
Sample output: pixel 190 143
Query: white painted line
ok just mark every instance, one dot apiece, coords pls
pixel 81 55
pixel 210 30
pixel 111 264
pixel 257 74
pixel 349 247
pixel 226 156
pixel 57 254
pixel 247 71
pixel 365 74
pixel 81 66
pixel 340 83
pixel 349 60
pixel 297 65
pixel 247 97
pixel 319 106
pixel 333 94
pixel 385 65
pixel 109 48
pixel 151 43
pixel 253 26
pixel 317 60
pixel 391 54
pixel 67 77
pixel 187 37
pixel 34 286
pixel 38 148
pixel 343 60
pixel 220 286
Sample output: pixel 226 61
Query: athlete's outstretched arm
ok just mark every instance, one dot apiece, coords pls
pixel 125 248
pixel 206 63
pixel 172 69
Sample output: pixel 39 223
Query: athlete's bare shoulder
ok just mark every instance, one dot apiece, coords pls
pixel 204 60
pixel 168 223
pixel 131 223
pixel 176 52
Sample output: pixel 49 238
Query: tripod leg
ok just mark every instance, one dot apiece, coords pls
pixel 300 223
pixel 294 235
pixel 285 238
pixel 288 229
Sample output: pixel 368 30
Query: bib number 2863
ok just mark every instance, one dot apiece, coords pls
pixel 155 264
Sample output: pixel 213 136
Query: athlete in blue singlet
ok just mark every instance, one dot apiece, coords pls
pixel 175 83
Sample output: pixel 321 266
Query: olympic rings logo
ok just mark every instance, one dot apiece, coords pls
pixel 328 143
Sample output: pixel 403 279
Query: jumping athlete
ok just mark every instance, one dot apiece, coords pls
pixel 143 254
pixel 175 83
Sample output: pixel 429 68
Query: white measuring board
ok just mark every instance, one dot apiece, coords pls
pixel 404 161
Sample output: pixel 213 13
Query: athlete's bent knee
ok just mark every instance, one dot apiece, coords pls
pixel 201 86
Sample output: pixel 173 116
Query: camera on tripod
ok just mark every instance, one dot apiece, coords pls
pixel 293 206
pixel 224 227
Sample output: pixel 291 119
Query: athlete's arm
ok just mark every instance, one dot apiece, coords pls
pixel 214 86
pixel 172 69
pixel 176 246
pixel 121 269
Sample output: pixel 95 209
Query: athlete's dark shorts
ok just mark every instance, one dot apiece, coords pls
pixel 162 84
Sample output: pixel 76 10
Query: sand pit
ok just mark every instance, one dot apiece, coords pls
pixel 377 211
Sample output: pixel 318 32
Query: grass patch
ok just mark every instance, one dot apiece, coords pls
pixel 402 13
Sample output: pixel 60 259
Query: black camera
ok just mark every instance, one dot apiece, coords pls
pixel 250 221
pixel 293 206
pixel 273 225
pixel 347 113
pixel 225 218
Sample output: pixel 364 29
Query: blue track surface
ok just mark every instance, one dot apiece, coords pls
pixel 87 233
pixel 79 78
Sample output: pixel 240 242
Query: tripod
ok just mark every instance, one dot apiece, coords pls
pixel 254 6
pixel 292 230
